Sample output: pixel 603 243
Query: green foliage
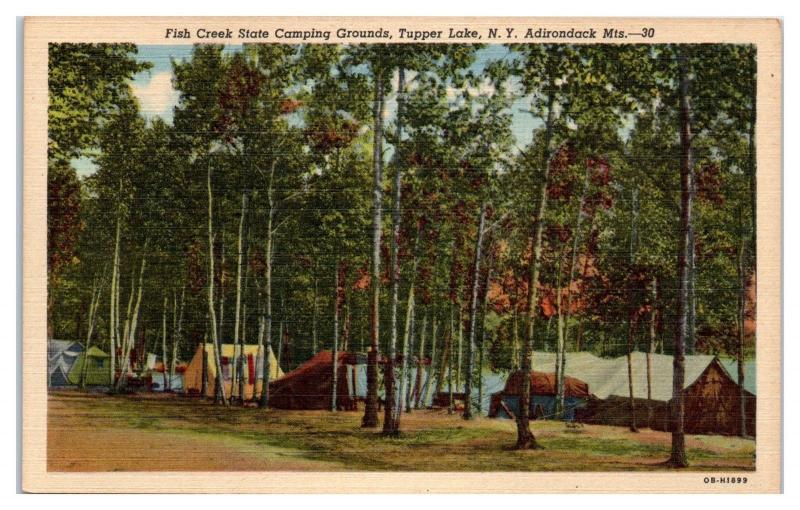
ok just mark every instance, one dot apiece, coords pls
pixel 291 127
pixel 85 82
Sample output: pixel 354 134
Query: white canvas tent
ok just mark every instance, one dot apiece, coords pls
pixel 608 377
pixel 491 382
pixel 731 366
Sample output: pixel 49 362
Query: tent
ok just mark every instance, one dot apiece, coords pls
pixel 157 377
pixel 506 404
pixel 712 403
pixel 61 357
pixel 97 368
pixel 491 382
pixel 310 385
pixel 731 365
pixel 253 366
pixel 711 394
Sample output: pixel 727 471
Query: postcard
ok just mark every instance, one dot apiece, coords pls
pixel 402 255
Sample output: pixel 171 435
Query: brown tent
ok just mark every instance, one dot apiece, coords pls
pixel 309 385
pixel 543 391
pixel 711 406
pixel 545 384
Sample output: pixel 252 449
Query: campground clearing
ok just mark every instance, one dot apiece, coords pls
pixel 151 432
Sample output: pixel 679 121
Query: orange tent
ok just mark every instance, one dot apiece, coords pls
pixel 193 376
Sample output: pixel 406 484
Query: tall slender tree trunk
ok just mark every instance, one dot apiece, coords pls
pixel 420 356
pixel 431 372
pixel 482 347
pixel 651 350
pixel 678 453
pixel 408 342
pixel 122 341
pixel 473 315
pixel 404 397
pixel 560 337
pixel 371 406
pixel 346 322
pixel 631 396
pixel 441 373
pixel 460 345
pixel 133 323
pixel 335 360
pixel 266 368
pixel 450 358
pixel 692 306
pixel 515 338
pixel 136 309
pixel 264 401
pixel 314 319
pixel 168 371
pixel 222 283
pixel 218 382
pixel 204 370
pixel 389 424
pixel 577 239
pixel 281 340
pixel 259 356
pixel 560 344
pixel 117 308
pixel 164 355
pixel 525 438
pixel 740 339
pixel 240 248
pixel 177 336
pixel 93 305
pixel 752 236
pixel 126 328
pixel 632 311
pixel 113 329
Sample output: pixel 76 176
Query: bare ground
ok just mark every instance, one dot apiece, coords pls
pixel 151 432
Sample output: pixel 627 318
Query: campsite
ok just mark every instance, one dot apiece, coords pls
pixel 291 435
pixel 444 257
pixel 89 432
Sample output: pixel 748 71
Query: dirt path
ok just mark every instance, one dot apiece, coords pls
pixel 91 441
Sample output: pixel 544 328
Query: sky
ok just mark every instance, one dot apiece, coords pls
pixel 153 88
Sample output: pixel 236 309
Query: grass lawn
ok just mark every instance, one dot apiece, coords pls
pixel 96 432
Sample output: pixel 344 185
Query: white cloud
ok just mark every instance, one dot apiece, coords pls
pixel 156 97
pixel 452 93
pixel 485 88
pixel 410 79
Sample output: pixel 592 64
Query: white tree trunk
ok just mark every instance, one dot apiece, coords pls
pixel 432 367
pixel 219 386
pixel 370 418
pixel 164 355
pixel 418 380
pixel 473 315
pixel 176 337
pixel 113 329
pixel 390 426
pixel 238 366
pixel 407 335
pixel 93 305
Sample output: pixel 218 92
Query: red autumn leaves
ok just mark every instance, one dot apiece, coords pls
pixel 567 175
